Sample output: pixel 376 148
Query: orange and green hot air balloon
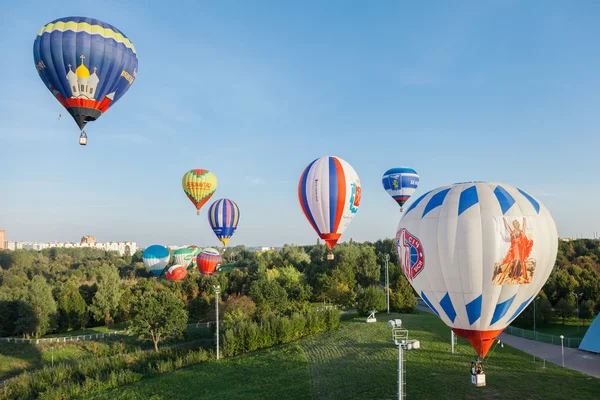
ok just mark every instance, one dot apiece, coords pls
pixel 199 185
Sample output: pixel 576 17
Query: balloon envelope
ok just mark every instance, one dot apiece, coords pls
pixel 156 258
pixel 477 253
pixel 87 64
pixel 329 192
pixel 400 183
pixel 195 251
pixel 209 260
pixel 223 217
pixel 176 273
pixel 183 256
pixel 199 185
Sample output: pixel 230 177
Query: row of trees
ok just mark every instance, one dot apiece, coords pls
pixel 61 289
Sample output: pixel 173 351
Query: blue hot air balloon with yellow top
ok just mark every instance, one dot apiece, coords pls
pixel 87 64
pixel 400 183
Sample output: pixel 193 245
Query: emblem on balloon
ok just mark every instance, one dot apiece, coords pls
pixel 515 267
pixel 410 253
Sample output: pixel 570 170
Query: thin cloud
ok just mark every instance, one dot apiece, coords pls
pixel 254 180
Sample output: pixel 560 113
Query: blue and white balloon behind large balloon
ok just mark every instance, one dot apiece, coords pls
pixel 400 183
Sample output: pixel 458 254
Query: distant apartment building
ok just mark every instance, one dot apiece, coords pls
pixel 2 240
pixel 108 246
pixel 88 239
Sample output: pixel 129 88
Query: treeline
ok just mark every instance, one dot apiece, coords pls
pixel 58 289
pixel 574 282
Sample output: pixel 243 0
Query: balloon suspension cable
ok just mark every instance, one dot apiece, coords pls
pixel 489 354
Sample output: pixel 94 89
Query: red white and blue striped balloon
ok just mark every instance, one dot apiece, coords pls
pixel 329 192
pixel 223 217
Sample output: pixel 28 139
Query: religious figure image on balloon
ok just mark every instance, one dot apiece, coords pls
pixel 516 267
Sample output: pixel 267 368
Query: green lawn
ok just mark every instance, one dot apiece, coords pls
pixel 567 330
pixel 17 357
pixel 359 361
pixel 88 331
pixel 279 373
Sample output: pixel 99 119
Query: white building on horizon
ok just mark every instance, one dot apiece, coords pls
pixel 108 246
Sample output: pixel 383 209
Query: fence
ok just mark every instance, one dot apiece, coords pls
pixel 65 339
pixel 542 337
pixel 538 336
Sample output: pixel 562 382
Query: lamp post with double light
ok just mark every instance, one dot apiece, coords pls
pixel 217 290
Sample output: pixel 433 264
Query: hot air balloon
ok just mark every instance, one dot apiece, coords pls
pixel 209 260
pixel 156 258
pixel 477 253
pixel 183 256
pixel 199 185
pixel 223 217
pixel 329 192
pixel 400 183
pixel 195 251
pixel 87 64
pixel 176 273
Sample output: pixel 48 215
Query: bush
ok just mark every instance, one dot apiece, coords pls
pixel 248 336
pixel 92 375
pixel 369 299
pixel 402 296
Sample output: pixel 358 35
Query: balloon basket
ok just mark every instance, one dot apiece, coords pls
pixel 401 209
pixel 198 212
pixel 477 374
pixel 478 380
pixel 330 256
pixel 83 139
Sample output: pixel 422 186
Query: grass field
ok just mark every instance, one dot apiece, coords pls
pixel 18 357
pixel 359 361
pixel 88 331
pixel 568 330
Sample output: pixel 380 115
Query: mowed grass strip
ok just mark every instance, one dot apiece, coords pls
pixel 360 361
pixel 277 373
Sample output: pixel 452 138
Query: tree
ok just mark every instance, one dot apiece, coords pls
pixel 127 256
pixel 72 307
pixel 37 313
pixel 586 309
pixel 368 271
pixel 106 300
pixel 237 309
pixel 370 299
pixel 158 315
pixel 564 309
pixel 402 297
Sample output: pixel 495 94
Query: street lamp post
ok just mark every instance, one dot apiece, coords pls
pixel 537 298
pixel 562 350
pixel 387 283
pixel 577 297
pixel 217 289
pixel 400 337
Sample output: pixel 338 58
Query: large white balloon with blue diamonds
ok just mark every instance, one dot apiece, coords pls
pixel 477 253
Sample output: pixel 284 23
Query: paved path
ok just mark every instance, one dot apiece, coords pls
pixel 575 359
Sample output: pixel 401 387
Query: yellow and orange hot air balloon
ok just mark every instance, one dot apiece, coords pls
pixel 199 185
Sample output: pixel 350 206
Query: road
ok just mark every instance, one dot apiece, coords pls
pixel 575 359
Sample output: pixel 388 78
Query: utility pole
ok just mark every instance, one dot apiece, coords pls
pixel 387 282
pixel 217 289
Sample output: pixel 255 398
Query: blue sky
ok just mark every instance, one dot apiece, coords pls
pixel 504 91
